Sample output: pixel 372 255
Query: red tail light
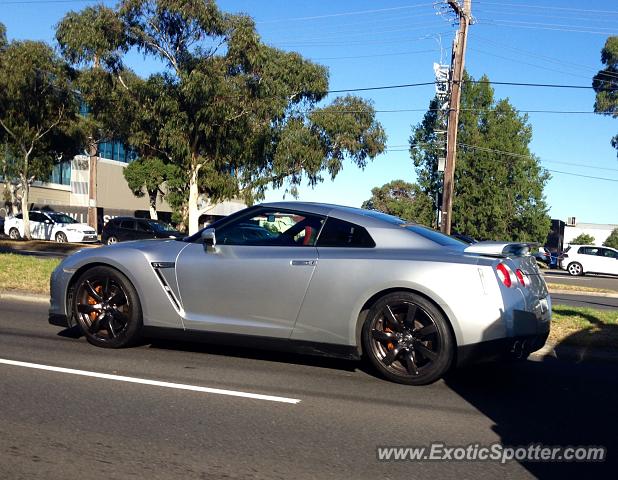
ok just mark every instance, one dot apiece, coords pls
pixel 504 274
pixel 520 277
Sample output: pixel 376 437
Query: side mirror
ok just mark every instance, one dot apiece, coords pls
pixel 209 239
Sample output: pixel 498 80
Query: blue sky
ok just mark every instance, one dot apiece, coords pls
pixel 368 43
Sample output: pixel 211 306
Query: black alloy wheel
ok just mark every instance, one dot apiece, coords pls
pixel 408 339
pixel 107 308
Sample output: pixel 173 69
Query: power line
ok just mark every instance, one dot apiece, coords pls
pixel 519 155
pixel 547 7
pixel 376 55
pixel 345 14
pixel 509 23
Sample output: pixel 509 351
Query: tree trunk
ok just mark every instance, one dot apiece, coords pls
pixel 24 207
pixel 152 197
pixel 194 213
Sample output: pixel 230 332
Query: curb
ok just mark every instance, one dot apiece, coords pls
pixel 24 297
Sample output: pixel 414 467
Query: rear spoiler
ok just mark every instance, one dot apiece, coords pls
pixel 501 249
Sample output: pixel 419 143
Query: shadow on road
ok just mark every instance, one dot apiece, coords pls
pixel 554 402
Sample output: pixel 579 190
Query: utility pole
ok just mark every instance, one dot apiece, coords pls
pixel 92 186
pixel 457 69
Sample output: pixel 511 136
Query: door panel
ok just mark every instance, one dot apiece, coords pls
pixel 255 290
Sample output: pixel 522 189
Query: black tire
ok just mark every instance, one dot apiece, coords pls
pixel 407 339
pixel 61 237
pixel 575 269
pixel 111 240
pixel 14 234
pixel 107 308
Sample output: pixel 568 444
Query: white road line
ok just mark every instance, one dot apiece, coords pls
pixel 156 383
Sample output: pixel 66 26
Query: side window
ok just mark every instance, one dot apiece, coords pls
pixel 37 217
pixel 339 233
pixel 606 252
pixel 272 228
pixel 19 216
pixel 588 250
pixel 128 224
pixel 143 227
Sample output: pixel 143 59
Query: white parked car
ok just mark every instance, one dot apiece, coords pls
pixel 582 259
pixel 50 226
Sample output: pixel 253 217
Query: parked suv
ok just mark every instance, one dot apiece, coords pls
pixel 120 229
pixel 50 226
pixel 582 259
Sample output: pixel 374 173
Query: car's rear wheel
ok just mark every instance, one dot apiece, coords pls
pixel 111 240
pixel 575 269
pixel 107 308
pixel 61 237
pixel 408 339
pixel 14 234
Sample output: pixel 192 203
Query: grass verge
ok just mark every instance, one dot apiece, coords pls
pixel 25 273
pixel 584 327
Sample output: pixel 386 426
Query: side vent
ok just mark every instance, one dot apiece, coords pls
pixel 157 267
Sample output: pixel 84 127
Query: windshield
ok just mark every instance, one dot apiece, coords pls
pixel 159 226
pixel 61 218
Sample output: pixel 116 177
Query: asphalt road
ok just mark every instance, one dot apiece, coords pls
pixel 59 425
pixel 594 281
pixel 590 301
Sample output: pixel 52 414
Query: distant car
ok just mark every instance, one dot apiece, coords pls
pixel 545 256
pixel 582 259
pixel 56 226
pixel 121 229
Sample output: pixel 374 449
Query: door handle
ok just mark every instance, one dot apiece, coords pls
pixel 303 263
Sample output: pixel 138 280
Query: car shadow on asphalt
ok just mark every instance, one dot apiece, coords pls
pixel 553 402
pixel 261 354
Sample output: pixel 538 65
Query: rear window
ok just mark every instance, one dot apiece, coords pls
pixel 339 233
pixel 435 236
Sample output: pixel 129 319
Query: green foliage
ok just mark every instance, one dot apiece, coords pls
pixel 604 83
pixel 497 195
pixel 583 239
pixel 3 41
pixel 402 199
pixel 94 36
pixel 37 112
pixel 612 240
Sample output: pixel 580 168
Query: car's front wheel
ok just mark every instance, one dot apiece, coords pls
pixel 107 308
pixel 575 269
pixel 14 234
pixel 61 237
pixel 111 240
pixel 408 339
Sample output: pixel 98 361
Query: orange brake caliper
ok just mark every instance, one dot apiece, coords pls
pixel 92 301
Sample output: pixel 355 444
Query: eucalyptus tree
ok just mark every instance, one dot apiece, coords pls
pixel 236 115
pixel 37 111
pixel 93 41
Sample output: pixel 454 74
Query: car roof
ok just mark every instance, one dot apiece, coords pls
pixel 360 216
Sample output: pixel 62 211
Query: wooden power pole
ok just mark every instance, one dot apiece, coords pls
pixel 92 187
pixel 457 69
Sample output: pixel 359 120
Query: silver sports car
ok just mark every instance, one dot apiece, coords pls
pixel 315 278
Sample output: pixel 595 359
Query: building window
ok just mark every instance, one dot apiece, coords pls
pixel 115 150
pixel 61 173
